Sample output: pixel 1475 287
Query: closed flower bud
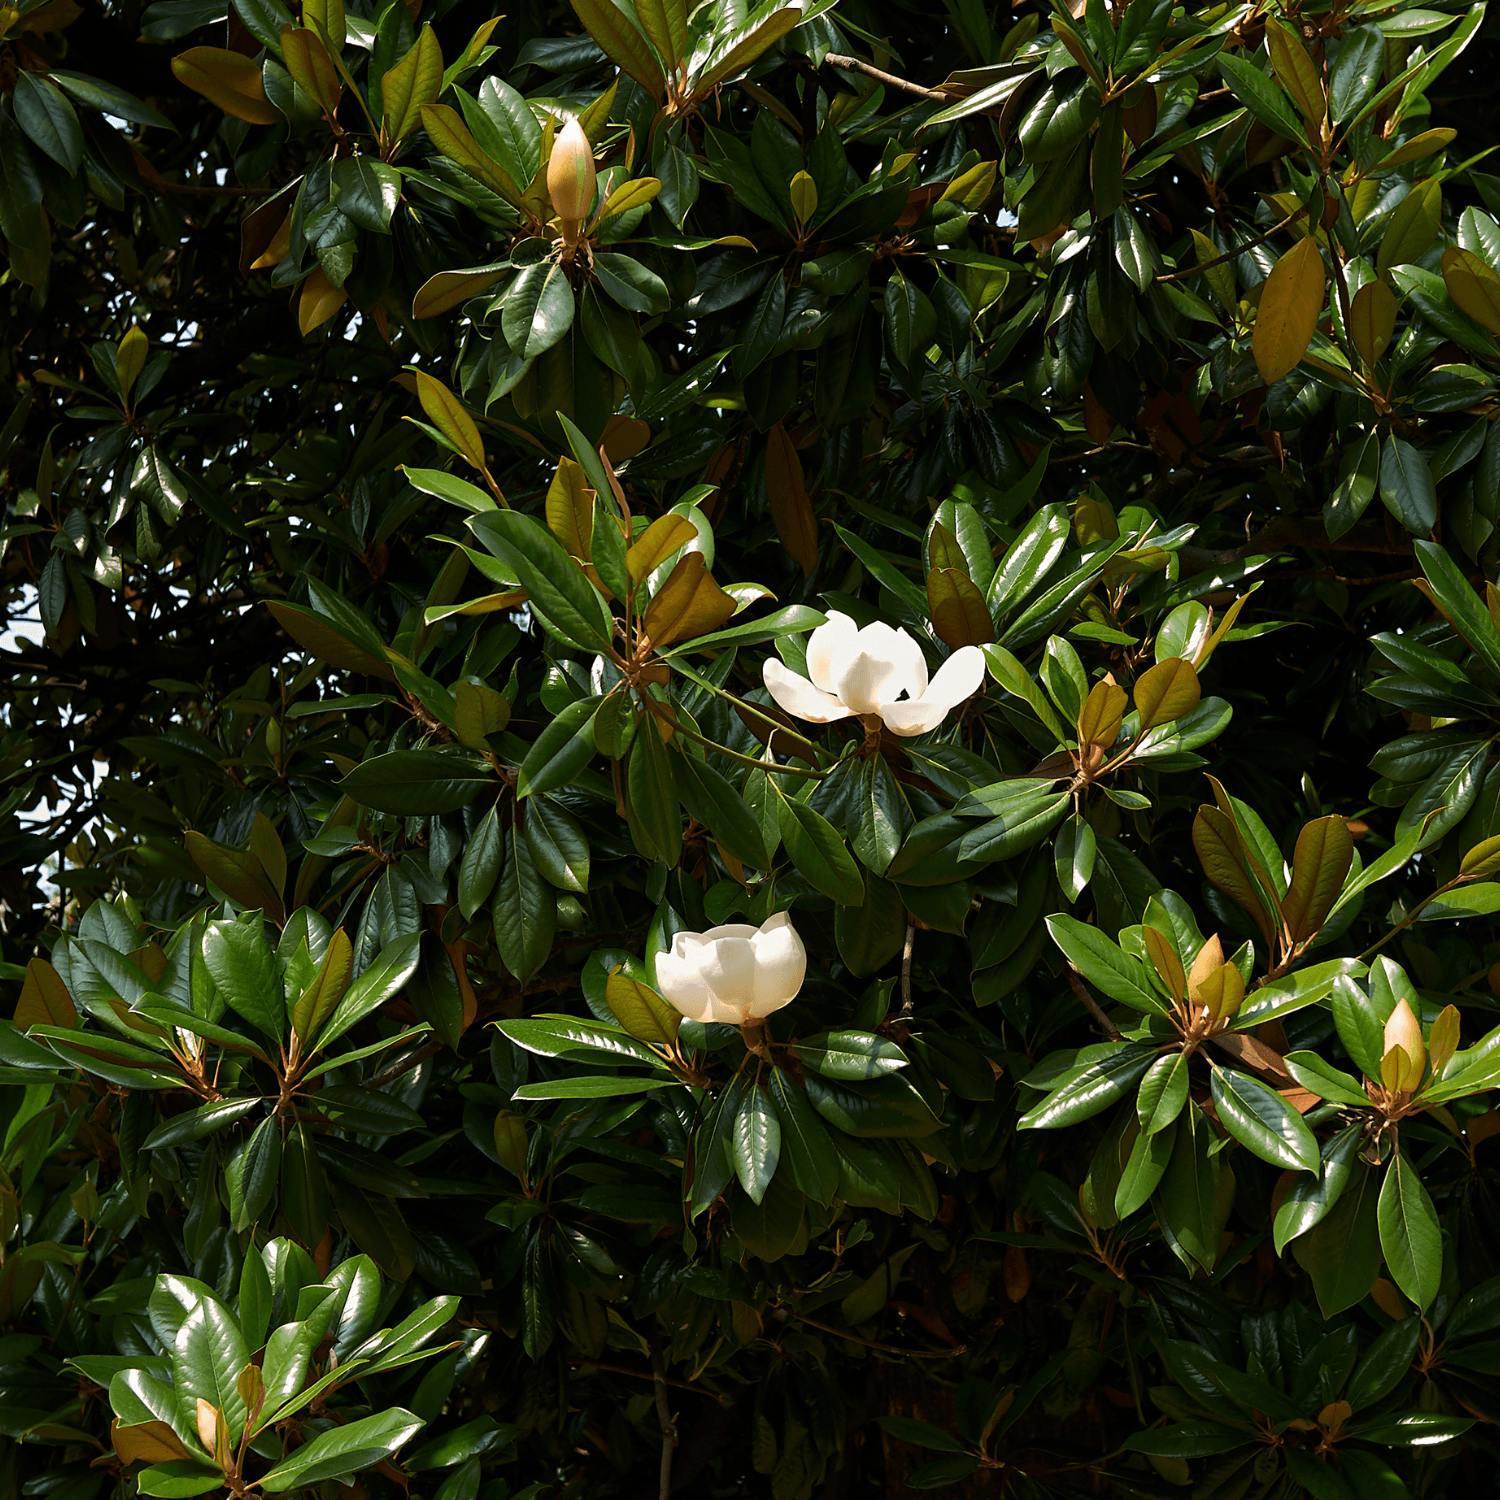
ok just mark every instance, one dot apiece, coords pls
pixel 208 1420
pixel 570 177
pixel 1403 1030
pixel 735 974
pixel 1215 983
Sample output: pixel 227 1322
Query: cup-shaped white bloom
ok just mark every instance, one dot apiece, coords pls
pixel 735 973
pixel 876 670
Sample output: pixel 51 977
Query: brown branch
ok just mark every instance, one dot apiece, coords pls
pixel 663 1418
pixel 854 1338
pixel 1091 1005
pixel 1238 250
pixel 858 65
pixel 389 1074
pixel 681 1385
pixel 906 1000
pixel 1285 532
pixel 212 190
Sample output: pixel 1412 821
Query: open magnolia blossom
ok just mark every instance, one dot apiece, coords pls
pixel 736 974
pixel 877 672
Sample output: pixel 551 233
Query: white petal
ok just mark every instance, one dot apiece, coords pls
pixel 729 970
pixel 960 677
pixel 798 696
pixel 780 965
pixel 730 929
pixel 886 664
pixel 826 645
pixel 680 981
pixel 727 1015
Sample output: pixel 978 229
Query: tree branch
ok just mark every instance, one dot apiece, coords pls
pixel 1284 532
pixel 1091 1005
pixel 1229 255
pixel 858 65
pixel 664 1419
pixel 389 1074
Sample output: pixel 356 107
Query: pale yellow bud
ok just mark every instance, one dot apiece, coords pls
pixel 571 177
pixel 1404 1031
pixel 1215 983
pixel 208 1425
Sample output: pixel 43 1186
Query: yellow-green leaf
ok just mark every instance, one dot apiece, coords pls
pixel 238 873
pixel 320 999
pixel 447 289
pixel 804 195
pixel 958 609
pixel 312 69
pixel 151 1442
pixel 1412 226
pixel 265 844
pixel 688 604
pixel 1325 850
pixel 1219 850
pixel 640 1010
pixel 1296 73
pixel 743 53
pixel 1166 691
pixel 316 635
pixel 1290 304
pixel 229 80
pixel 415 81
pixel 665 25
pixel 130 359
pixel 1418 148
pixel 1103 709
pixel 630 195
pixel 623 44
pixel 45 1000
pixel 479 712
pixel 657 543
pixel 450 417
pixel 791 510
pixel 1473 286
pixel 971 189
pixel 1165 961
pixel 570 509
pixel 447 131
pixel 326 18
pixel 318 302
pixel 1483 859
pixel 1442 1040
pixel 1220 277
pixel 1372 320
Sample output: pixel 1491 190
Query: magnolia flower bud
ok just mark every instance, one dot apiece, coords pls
pixel 735 974
pixel 570 177
pixel 1403 1030
pixel 1215 983
pixel 208 1420
pixel 876 670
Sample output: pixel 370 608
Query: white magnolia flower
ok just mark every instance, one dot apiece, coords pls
pixel 734 974
pixel 876 670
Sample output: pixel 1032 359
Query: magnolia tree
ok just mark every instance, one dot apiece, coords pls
pixel 749 751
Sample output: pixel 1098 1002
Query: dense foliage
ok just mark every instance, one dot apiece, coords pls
pixel 428 436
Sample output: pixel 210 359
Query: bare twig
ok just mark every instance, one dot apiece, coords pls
pixel 906 1000
pixel 1283 533
pixel 858 65
pixel 854 1338
pixel 1238 250
pixel 1091 1005
pixel 393 1071
pixel 664 1419
pixel 598 1364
